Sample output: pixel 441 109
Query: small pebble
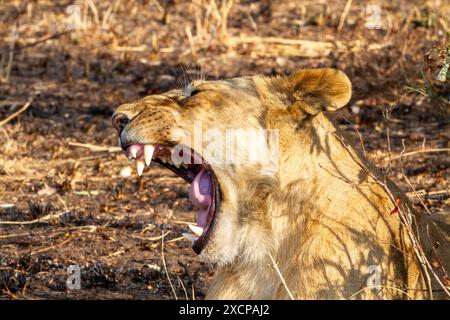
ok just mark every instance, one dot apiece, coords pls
pixel 125 172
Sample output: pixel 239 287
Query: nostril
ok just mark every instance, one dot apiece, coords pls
pixel 120 121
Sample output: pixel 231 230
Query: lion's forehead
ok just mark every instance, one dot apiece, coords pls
pixel 243 84
pixel 216 91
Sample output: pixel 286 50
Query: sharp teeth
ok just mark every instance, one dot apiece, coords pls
pixel 197 230
pixel 191 237
pixel 177 164
pixel 140 167
pixel 148 153
pixel 133 152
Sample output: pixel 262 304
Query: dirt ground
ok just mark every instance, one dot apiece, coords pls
pixel 63 200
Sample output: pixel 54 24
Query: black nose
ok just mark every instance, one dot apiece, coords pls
pixel 120 121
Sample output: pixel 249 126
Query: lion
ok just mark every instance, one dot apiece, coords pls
pixel 310 219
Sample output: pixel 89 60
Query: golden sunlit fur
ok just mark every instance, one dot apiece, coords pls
pixel 321 216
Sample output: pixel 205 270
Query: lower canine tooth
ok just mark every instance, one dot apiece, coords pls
pixel 197 230
pixel 140 167
pixel 191 237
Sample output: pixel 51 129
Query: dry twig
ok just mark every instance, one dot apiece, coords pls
pixel 49 248
pixel 374 287
pixel 47 218
pixel 404 218
pixel 90 228
pixel 411 153
pixel 95 148
pixel 165 267
pixel 150 238
pixel 18 112
pixel 281 277
pixel 344 15
pixel 407 179
pixel 282 46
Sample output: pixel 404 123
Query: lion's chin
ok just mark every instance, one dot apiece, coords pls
pixel 223 247
pixel 204 192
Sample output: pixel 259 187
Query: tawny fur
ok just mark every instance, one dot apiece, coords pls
pixel 322 216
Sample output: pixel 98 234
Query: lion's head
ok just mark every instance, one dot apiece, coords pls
pixel 227 139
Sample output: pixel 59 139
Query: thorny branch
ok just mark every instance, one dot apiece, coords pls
pixel 405 219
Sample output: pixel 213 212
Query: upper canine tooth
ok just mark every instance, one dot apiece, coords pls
pixel 197 230
pixel 148 153
pixel 191 237
pixel 140 167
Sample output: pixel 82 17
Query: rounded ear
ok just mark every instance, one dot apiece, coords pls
pixel 315 90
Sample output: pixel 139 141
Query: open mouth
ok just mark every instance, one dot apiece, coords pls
pixel 204 191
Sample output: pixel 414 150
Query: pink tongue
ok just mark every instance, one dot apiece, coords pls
pixel 200 196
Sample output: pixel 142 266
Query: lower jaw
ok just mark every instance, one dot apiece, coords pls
pixel 204 239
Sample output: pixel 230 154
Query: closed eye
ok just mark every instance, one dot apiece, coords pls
pixel 190 91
